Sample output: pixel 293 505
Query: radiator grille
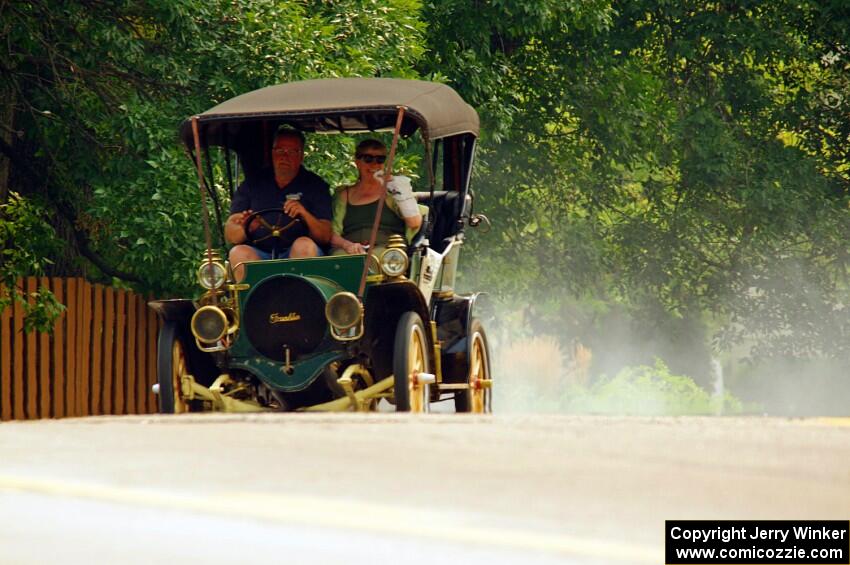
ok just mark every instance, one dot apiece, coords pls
pixel 285 311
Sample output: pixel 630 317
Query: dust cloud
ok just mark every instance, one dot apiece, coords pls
pixel 630 369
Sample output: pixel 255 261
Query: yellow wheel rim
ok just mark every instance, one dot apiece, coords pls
pixel 178 369
pixel 478 374
pixel 417 363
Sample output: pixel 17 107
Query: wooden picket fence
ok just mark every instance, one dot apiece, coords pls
pixel 100 359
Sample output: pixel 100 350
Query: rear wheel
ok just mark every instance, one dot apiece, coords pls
pixel 410 357
pixel 478 398
pixel 171 366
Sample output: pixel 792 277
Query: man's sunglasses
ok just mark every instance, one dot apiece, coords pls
pixel 372 158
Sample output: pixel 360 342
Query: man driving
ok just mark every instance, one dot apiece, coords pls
pixel 303 197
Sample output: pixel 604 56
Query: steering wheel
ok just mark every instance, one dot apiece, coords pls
pixel 279 229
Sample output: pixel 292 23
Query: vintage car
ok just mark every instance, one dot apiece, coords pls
pixel 333 332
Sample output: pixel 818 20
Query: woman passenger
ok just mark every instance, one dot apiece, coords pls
pixel 355 205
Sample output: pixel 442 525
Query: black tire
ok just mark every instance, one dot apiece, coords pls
pixel 171 360
pixel 478 359
pixel 406 358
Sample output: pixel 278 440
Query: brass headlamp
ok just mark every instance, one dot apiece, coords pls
pixel 212 274
pixel 394 260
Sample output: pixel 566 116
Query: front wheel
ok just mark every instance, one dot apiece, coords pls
pixel 171 366
pixel 410 357
pixel 479 397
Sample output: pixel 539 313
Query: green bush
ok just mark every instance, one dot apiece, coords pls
pixel 647 391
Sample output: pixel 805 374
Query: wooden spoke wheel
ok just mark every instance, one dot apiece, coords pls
pixel 410 357
pixel 171 366
pixel 478 398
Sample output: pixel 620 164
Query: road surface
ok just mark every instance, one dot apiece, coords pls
pixel 386 488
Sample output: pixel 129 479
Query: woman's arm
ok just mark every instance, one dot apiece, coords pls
pixel 413 222
pixel 337 241
pixel 401 191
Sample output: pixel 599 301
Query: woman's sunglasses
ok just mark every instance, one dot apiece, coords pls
pixel 372 158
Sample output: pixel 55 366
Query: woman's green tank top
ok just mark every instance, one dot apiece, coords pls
pixel 357 224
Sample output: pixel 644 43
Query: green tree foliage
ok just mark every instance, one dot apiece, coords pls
pixel 677 158
pixel 26 240
pixel 682 162
pixel 100 88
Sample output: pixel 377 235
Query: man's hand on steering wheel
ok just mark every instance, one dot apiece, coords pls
pixel 239 220
pixel 277 224
pixel 294 208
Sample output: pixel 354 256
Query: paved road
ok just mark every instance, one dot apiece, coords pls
pixel 383 488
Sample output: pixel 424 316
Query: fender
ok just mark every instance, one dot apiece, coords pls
pixel 401 296
pixel 477 301
pixel 176 316
pixel 454 321
pixel 383 305
pixel 176 310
